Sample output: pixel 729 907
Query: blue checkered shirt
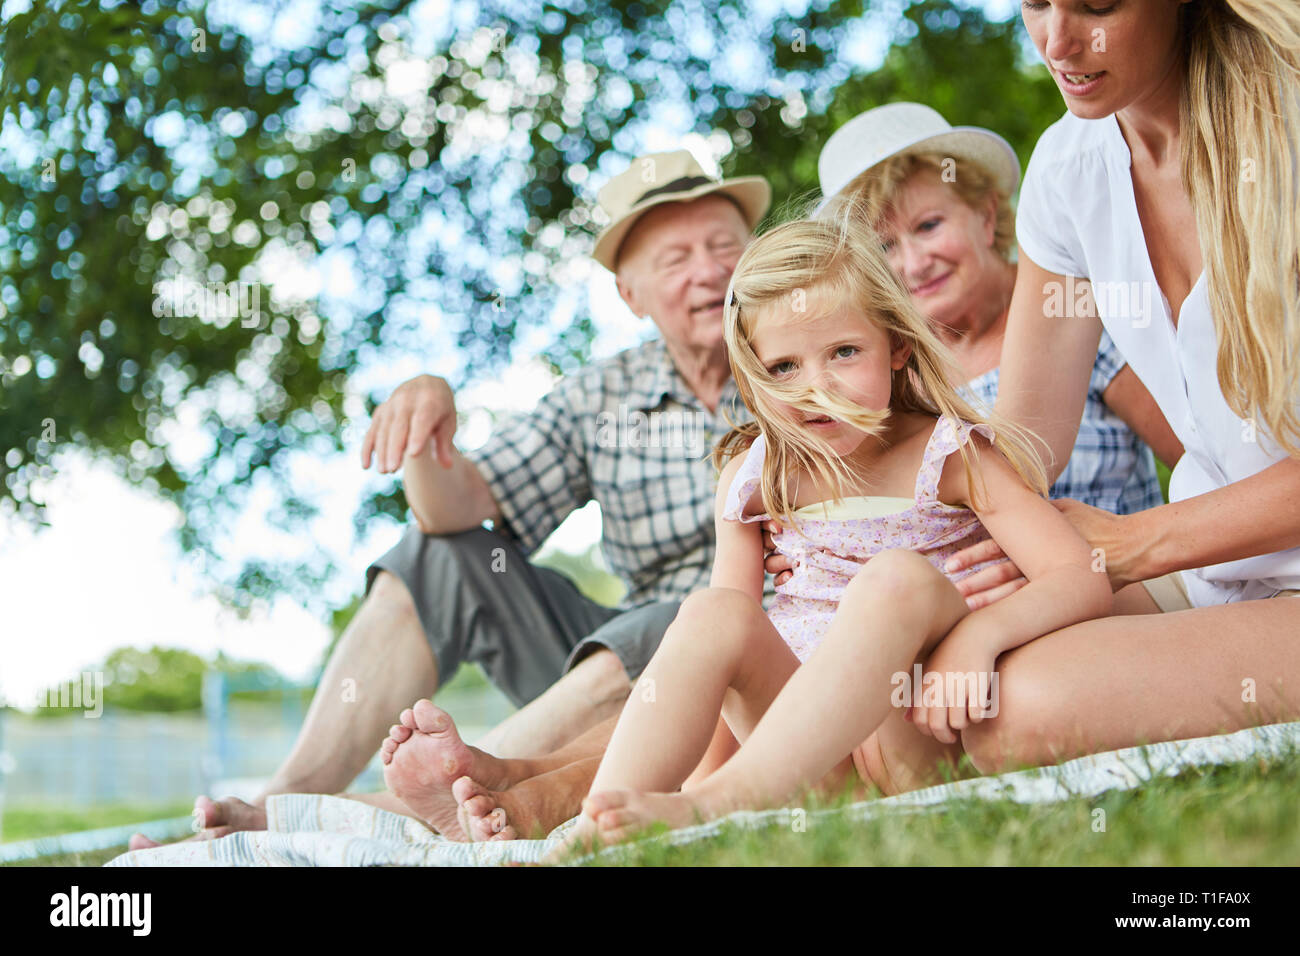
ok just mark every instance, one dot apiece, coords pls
pixel 1110 467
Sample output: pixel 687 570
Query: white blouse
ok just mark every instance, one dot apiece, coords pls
pixel 1078 217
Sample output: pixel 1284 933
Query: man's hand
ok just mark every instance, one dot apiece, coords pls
pixel 418 410
pixel 773 563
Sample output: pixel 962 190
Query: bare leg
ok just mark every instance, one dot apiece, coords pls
pixel 896 609
pixel 1123 681
pixel 591 693
pixel 385 653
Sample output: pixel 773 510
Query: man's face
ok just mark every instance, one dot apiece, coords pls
pixel 675 265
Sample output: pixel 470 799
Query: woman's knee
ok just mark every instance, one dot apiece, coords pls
pixel 1028 710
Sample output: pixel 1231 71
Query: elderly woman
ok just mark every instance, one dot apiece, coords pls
pixel 940 200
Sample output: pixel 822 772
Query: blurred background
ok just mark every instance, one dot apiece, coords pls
pixel 396 187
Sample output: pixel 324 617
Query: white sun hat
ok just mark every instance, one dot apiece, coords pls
pixel 872 137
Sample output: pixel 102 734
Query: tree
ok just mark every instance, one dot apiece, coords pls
pixel 161 173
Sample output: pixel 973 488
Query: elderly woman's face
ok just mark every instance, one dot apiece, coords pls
pixel 939 245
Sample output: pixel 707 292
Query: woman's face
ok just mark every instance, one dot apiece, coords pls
pixel 1105 56
pixel 939 245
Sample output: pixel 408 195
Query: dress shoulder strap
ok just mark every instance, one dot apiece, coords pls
pixel 949 434
pixel 746 481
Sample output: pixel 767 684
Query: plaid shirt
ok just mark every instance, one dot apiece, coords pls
pixel 628 433
pixel 1110 467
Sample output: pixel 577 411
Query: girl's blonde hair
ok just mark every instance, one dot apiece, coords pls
pixel 873 192
pixel 794 271
pixel 1240 138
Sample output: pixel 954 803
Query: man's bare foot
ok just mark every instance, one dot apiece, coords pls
pixel 215 818
pixel 531 808
pixel 424 755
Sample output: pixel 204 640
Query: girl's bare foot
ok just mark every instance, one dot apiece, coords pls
pixel 617 816
pixel 423 756
pixel 620 815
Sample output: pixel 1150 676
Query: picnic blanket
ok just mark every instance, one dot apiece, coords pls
pixel 317 830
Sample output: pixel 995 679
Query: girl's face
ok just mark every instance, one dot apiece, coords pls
pixel 1105 55
pixel 836 350
pixel 940 246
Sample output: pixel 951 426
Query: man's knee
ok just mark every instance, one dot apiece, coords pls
pixel 389 593
pixel 601 676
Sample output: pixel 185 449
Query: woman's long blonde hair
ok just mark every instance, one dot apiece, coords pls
pixel 793 272
pixel 1240 144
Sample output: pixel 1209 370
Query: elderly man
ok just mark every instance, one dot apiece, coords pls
pixel 631 432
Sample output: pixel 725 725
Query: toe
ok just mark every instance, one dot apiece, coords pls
pixel 407 718
pixel 215 833
pixel 399 734
pixel 139 841
pixel 507 833
pixel 466 788
pixel 430 719
pixel 611 820
pixel 207 812
pixel 597 803
pixel 479 806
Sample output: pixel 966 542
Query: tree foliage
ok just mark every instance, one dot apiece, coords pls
pixel 448 166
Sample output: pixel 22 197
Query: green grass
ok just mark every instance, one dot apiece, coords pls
pixel 1238 815
pixel 27 823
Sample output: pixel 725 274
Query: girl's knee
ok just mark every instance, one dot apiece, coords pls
pixel 896 573
pixel 715 611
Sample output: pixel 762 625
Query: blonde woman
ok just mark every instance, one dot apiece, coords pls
pixel 856 426
pixel 1173 178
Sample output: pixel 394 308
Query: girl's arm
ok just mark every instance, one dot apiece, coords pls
pixel 738 560
pixel 1067 580
pixel 1047 360
pixel 1063 587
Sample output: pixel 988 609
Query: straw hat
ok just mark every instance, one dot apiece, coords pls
pixel 659 178
pixel 872 137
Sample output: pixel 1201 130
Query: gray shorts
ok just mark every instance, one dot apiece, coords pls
pixel 480 600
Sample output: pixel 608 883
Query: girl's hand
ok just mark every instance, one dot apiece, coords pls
pixel 964 667
pixel 773 563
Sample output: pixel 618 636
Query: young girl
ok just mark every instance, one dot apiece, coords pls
pixel 855 429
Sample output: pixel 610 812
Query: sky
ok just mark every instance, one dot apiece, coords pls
pixel 108 572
